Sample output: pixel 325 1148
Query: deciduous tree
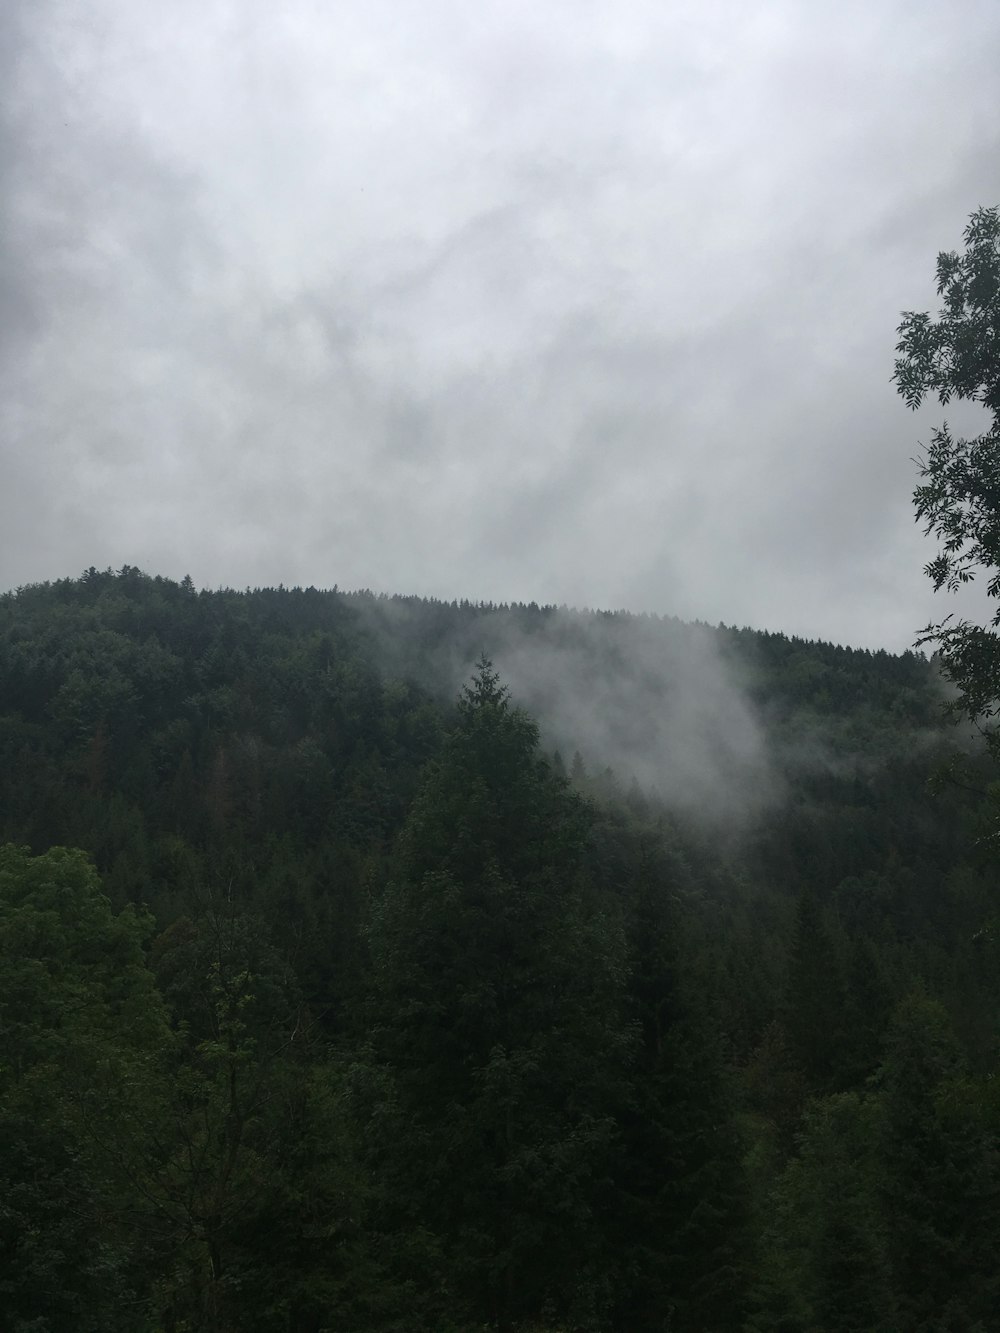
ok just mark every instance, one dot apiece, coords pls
pixel 957 356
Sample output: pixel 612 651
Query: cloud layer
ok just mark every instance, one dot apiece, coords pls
pixel 584 303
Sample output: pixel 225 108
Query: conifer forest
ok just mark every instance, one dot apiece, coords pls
pixel 373 963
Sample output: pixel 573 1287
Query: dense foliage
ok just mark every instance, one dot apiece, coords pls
pixel 360 1007
pixel 957 356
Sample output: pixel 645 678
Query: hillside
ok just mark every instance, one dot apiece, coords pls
pixel 428 966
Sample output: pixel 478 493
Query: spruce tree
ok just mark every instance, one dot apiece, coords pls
pixel 498 1038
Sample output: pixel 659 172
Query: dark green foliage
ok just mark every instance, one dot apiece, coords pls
pixel 939 1182
pixel 429 1036
pixel 681 1198
pixel 958 356
pixel 686 1205
pixel 815 997
pixel 499 1037
pixel 824 1262
pixel 80 1022
pixel 257 1202
pixel 888 1215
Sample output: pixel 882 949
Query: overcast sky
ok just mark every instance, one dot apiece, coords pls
pixel 584 301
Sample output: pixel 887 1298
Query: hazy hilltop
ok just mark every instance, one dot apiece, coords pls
pixel 711 721
pixel 707 717
pixel 428 965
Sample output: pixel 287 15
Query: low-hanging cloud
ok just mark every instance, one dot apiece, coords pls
pixel 657 701
pixel 584 303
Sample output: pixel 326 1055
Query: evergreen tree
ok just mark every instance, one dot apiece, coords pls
pixel 498 1033
pixel 681 1195
pixel 824 1264
pixel 939 1176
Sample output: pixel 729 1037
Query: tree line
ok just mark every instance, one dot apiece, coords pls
pixel 328 1001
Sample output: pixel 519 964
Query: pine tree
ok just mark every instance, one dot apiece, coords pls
pixel 498 1035
pixel 682 1195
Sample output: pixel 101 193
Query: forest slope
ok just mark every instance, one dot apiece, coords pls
pixel 567 1004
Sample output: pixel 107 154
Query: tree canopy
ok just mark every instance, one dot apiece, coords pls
pixel 357 1008
pixel 957 356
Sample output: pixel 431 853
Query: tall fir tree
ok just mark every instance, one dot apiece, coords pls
pixel 498 1036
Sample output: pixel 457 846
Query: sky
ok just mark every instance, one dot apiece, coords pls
pixel 578 302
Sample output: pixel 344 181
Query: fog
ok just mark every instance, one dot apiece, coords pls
pixel 656 700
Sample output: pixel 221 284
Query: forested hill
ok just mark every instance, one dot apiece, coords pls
pixel 449 966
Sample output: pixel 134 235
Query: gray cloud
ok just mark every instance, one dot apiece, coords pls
pixel 589 303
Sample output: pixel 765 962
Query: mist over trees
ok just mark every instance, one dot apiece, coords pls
pixel 369 999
